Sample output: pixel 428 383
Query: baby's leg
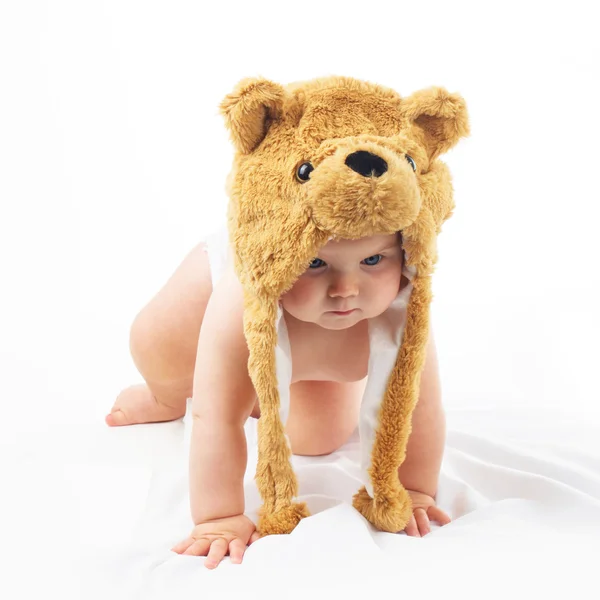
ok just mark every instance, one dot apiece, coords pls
pixel 163 343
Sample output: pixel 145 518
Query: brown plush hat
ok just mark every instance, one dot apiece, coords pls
pixel 337 157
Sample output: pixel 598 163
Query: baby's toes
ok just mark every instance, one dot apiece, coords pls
pixel 117 417
pixel 137 405
pixel 130 406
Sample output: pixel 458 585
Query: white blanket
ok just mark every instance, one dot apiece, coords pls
pixel 94 512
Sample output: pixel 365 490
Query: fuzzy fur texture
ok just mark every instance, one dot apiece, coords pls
pixel 278 222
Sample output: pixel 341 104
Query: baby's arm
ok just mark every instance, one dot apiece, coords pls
pixel 223 398
pixel 421 467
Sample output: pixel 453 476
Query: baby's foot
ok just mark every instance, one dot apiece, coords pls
pixel 136 404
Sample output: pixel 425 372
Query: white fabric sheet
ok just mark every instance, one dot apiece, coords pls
pixel 100 508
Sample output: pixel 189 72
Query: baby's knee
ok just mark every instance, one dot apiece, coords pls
pixel 311 445
pixel 153 352
pixel 323 415
pixel 141 341
pixel 310 439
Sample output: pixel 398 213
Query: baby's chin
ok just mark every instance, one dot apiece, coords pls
pixel 327 320
pixel 337 326
pixel 339 322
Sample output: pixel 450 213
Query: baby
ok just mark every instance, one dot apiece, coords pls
pixel 189 342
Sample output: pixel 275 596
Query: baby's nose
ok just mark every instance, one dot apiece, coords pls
pixel 343 289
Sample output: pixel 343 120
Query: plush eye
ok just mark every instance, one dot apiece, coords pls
pixel 412 162
pixel 303 172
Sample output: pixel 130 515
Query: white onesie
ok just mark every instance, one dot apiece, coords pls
pixel 218 250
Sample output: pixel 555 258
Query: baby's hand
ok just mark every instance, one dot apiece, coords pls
pixel 424 508
pixel 214 539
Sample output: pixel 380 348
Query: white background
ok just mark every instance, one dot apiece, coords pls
pixel 113 160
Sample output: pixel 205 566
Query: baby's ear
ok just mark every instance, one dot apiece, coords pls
pixel 438 119
pixel 250 109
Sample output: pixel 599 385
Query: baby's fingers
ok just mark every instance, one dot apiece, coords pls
pixel 218 549
pixel 422 521
pixel 255 536
pixel 182 546
pixel 198 548
pixel 411 527
pixel 236 550
pixel 437 514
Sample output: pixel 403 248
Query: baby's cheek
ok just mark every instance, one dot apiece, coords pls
pixel 388 284
pixel 301 294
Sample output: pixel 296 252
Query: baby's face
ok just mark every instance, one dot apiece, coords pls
pixel 362 274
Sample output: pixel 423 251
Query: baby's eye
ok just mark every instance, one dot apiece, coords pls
pixel 374 256
pixel 312 264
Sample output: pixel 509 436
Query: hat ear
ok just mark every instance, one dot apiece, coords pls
pixel 438 119
pixel 249 110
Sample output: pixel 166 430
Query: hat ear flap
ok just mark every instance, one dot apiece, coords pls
pixel 249 111
pixel 275 477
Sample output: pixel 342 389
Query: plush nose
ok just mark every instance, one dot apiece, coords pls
pixel 366 164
